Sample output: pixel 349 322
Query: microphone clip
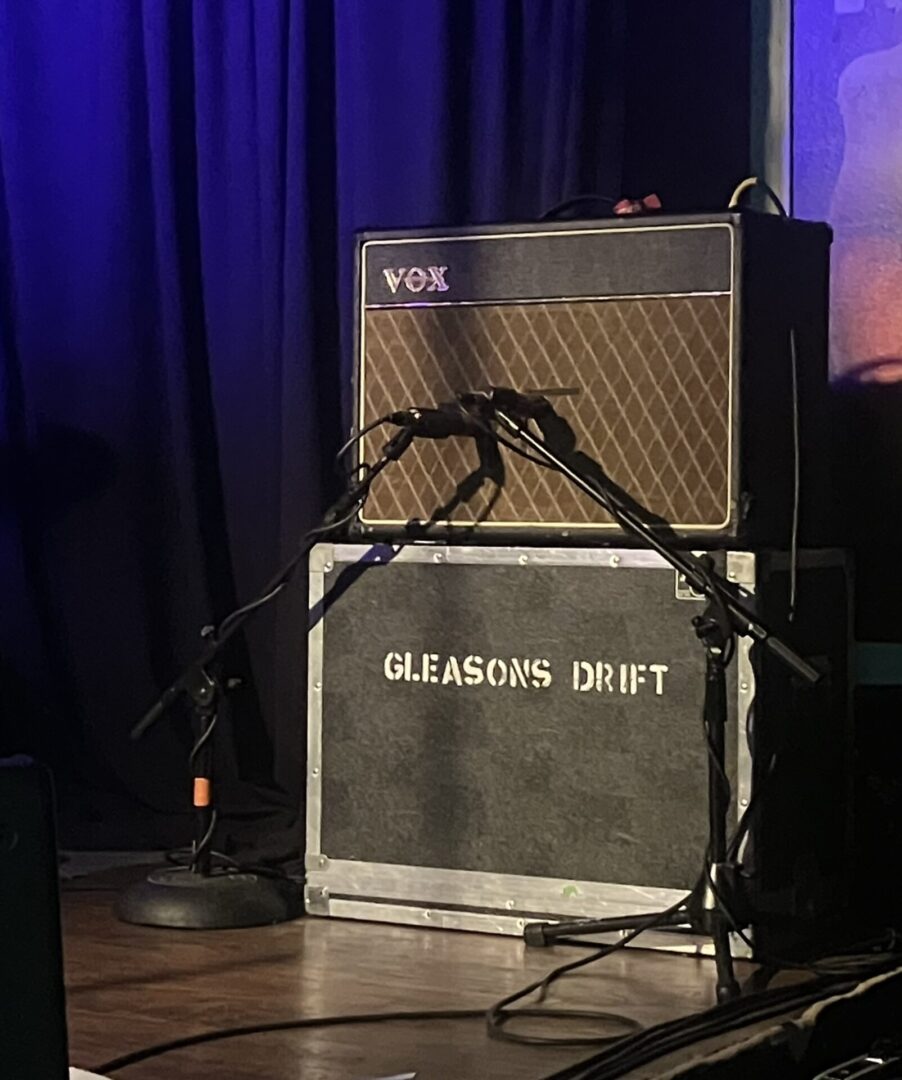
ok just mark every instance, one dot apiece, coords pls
pixel 520 406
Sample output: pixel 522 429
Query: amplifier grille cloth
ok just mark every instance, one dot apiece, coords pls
pixel 653 406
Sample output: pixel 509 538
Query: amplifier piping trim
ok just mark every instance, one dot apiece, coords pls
pixel 488 526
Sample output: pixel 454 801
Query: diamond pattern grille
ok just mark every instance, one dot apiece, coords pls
pixel 653 406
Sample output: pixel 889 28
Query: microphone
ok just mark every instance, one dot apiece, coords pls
pixel 523 406
pixel 471 412
pixel 441 422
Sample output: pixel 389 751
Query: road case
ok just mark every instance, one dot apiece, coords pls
pixel 498 735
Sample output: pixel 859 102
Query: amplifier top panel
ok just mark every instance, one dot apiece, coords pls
pixel 642 256
pixel 567 264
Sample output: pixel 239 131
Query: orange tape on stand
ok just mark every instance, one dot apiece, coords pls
pixel 201 791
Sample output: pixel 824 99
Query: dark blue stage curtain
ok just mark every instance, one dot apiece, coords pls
pixel 179 186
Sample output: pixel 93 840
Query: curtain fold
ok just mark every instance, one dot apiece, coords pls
pixel 179 188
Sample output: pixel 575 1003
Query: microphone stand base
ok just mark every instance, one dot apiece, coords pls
pixel 182 899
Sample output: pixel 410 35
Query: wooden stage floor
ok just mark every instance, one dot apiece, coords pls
pixel 129 987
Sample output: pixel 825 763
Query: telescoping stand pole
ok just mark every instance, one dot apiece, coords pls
pixel 200 896
pixel 713 909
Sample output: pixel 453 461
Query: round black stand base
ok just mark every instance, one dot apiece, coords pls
pixel 184 900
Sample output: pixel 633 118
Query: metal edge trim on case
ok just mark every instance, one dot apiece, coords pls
pixel 745 689
pixel 742 570
pixel 508 925
pixel 441 886
pixel 609 558
pixel 319 557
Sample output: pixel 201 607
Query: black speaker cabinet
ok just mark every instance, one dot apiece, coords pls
pixel 696 348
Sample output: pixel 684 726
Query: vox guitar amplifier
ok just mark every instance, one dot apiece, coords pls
pixel 694 350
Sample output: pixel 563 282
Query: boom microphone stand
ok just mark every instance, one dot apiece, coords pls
pixel 718 908
pixel 199 896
